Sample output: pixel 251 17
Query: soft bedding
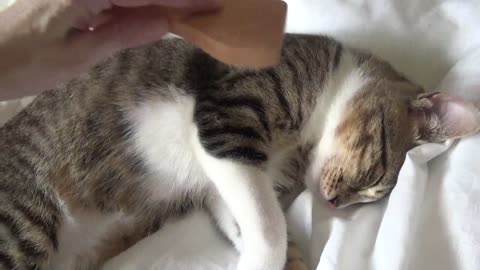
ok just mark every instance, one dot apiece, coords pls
pixel 432 218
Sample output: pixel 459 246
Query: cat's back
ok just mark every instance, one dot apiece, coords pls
pixel 98 110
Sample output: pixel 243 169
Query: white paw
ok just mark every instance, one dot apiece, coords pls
pixel 237 242
pixel 232 232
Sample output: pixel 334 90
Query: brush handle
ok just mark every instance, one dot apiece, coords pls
pixel 243 32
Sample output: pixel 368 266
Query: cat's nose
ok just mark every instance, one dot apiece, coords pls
pixel 333 202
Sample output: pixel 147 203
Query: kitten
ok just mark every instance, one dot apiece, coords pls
pixel 90 168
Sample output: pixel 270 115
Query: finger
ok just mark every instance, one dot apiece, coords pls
pixel 186 7
pixel 135 28
pixel 100 19
pixel 197 5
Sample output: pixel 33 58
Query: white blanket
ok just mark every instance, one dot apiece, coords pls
pixel 432 218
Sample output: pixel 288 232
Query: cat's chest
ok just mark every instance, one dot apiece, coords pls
pixel 162 137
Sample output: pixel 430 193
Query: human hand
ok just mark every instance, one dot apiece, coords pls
pixel 44 42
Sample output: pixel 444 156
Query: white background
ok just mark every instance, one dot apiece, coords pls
pixel 432 218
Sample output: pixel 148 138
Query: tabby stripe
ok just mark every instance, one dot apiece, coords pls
pixel 365 176
pixel 28 248
pixel 203 72
pixel 368 174
pixel 363 144
pixel 384 139
pixel 377 181
pixel 9 221
pixel 105 191
pixel 24 167
pixel 281 190
pixel 295 74
pixel 7 261
pixel 150 74
pixel 306 63
pixel 30 192
pixel 7 189
pixel 185 207
pixel 124 62
pixel 296 165
pixel 298 84
pixel 24 143
pixel 230 82
pixel 204 109
pixel 47 201
pixel 277 87
pixel 246 132
pixel 33 122
pixel 82 100
pixel 337 56
pixel 157 222
pixel 212 146
pixel 135 164
pixel 48 228
pixel 95 73
pixel 124 127
pixel 253 103
pixel 31 249
pixel 243 152
pixel 122 66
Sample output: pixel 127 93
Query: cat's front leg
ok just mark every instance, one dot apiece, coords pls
pixel 224 220
pixel 248 192
pixel 227 224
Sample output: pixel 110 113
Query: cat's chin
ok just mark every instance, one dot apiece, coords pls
pixel 337 203
pixel 359 202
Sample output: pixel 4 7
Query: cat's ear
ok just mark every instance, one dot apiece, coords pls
pixel 440 116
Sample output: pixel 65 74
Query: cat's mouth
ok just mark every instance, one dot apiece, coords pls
pixel 333 202
pixel 339 202
pixel 336 203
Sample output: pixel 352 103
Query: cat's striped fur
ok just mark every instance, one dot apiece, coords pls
pixel 117 143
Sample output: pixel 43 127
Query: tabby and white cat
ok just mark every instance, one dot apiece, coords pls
pixel 90 168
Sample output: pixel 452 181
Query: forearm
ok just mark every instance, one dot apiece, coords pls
pixel 45 42
pixel 29 32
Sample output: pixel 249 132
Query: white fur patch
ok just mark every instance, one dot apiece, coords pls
pixel 338 91
pixel 162 137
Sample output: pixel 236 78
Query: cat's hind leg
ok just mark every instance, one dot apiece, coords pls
pixel 29 220
pixel 224 220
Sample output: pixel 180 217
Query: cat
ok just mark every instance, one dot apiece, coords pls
pixel 93 166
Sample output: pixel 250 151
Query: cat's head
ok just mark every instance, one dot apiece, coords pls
pixel 360 158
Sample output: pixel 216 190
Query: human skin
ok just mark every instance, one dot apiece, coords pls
pixel 45 42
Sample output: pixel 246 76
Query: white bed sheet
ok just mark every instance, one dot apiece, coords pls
pixel 432 218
